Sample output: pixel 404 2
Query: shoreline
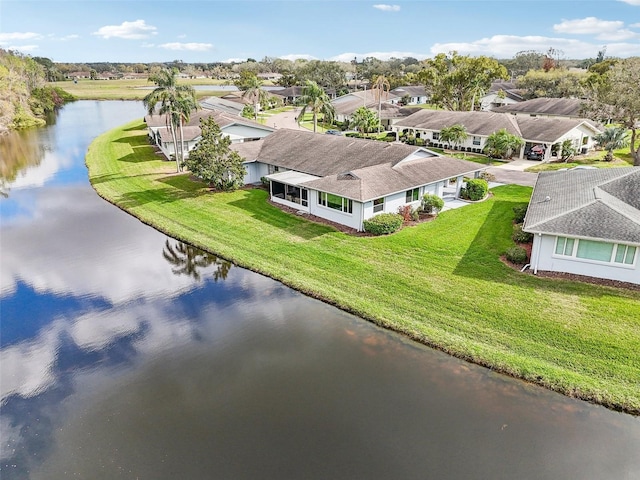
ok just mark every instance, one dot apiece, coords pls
pixel 440 337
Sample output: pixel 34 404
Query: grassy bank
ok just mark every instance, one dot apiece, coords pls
pixel 441 283
pixel 86 89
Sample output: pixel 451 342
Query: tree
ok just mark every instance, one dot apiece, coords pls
pixel 611 139
pixel 365 120
pixel 329 75
pixel 455 134
pixel 174 102
pixel 553 84
pixel 187 259
pixel 502 144
pixel 213 161
pixel 251 87
pixel 452 80
pixel 617 97
pixel 381 87
pixel 318 102
pixel 567 150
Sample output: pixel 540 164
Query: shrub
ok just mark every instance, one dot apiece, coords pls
pixel 405 212
pixel 476 189
pixel 520 236
pixel 489 177
pixel 432 203
pixel 517 255
pixel 383 223
pixel 520 211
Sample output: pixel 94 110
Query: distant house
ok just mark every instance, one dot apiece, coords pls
pixel 587 222
pixel 500 93
pixel 222 105
pixel 348 180
pixel 547 133
pixel 291 95
pixel 546 107
pixel 416 93
pixel 238 129
pixel 346 105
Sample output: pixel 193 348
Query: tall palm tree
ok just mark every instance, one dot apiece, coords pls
pixel 184 107
pixel 252 89
pixel 317 101
pixel 364 120
pixel 381 87
pixel 611 139
pixel 173 100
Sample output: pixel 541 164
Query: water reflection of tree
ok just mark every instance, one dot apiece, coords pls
pixel 18 151
pixel 186 260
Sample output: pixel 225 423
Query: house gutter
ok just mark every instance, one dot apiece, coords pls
pixel 535 265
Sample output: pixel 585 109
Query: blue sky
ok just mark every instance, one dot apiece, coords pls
pixel 226 30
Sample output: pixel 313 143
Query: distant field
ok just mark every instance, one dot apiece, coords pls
pixel 127 89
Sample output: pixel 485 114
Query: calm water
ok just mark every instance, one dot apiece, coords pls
pixel 126 354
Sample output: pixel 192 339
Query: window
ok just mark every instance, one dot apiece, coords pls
pixel 625 254
pixel 273 169
pixel 596 251
pixel 476 140
pixel 335 202
pixel 378 205
pixel 564 246
pixel 592 250
pixel 435 135
pixel 305 198
pixel 413 195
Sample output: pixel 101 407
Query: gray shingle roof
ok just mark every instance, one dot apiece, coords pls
pixel 602 204
pixel 412 90
pixel 322 155
pixel 358 169
pixel 535 129
pixel 347 104
pixel 566 107
pixel 476 123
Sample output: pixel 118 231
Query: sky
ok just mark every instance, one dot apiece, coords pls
pixel 207 31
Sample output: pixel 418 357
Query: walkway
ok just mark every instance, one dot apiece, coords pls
pixel 513 172
pixel 284 120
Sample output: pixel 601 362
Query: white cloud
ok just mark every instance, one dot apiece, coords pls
pixel 588 25
pixel 22 48
pixel 387 8
pixel 635 25
pixel 13 36
pixel 631 2
pixel 348 57
pixel 297 56
pixel 127 30
pixel 506 46
pixel 192 47
pixel 617 36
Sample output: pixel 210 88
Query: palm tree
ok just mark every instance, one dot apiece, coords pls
pixel 502 144
pixel 184 107
pixel 252 88
pixel 315 99
pixel 173 100
pixel 455 134
pixel 611 139
pixel 381 87
pixel 364 120
pixel 187 260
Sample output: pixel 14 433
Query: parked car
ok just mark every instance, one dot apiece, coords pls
pixel 333 132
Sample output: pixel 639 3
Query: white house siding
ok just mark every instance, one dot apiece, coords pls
pixel 543 258
pixel 238 133
pixel 255 171
pixel 352 220
pixel 493 100
pixel 578 136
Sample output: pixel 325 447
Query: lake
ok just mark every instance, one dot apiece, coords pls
pixel 127 354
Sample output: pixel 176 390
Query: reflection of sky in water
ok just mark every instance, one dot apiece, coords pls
pixel 96 326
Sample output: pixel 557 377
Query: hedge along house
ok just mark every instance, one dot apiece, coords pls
pixel 547 132
pixel 347 180
pixel 587 222
pixel 238 129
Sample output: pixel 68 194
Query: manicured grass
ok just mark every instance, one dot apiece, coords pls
pixel 441 282
pixel 126 89
pixel 545 167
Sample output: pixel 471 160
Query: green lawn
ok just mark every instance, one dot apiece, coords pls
pixel 441 282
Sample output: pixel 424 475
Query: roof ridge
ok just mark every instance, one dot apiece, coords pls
pixel 617 205
pixel 561 214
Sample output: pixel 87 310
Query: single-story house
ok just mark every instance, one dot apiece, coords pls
pixel 587 222
pixel 546 107
pixel 238 129
pixel 549 133
pixel 291 95
pixel 348 180
pixel 416 93
pixel 222 105
pixel 345 105
pixel 500 93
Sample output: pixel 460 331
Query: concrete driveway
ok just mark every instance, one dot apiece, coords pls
pixel 284 120
pixel 513 172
